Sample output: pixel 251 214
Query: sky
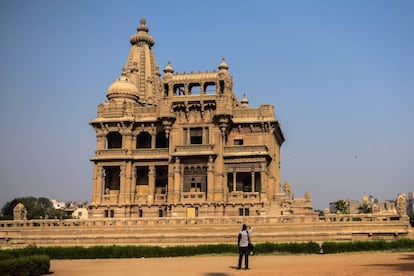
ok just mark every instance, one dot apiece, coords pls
pixel 340 75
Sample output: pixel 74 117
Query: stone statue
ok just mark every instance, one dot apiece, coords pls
pixel 287 189
pixel 401 205
pixel 20 212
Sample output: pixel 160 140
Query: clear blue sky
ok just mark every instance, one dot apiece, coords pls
pixel 339 73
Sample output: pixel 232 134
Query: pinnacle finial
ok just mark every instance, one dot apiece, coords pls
pixel 142 34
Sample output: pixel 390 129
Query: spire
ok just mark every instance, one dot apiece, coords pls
pixel 141 67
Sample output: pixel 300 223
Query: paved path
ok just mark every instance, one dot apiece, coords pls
pixel 337 264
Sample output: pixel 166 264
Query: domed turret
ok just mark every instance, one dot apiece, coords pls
pixel 123 89
pixel 223 65
pixel 244 102
pixel 168 69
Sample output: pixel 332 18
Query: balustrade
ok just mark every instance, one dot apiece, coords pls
pixel 193 196
pixel 241 196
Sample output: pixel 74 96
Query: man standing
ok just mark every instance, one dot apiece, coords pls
pixel 243 242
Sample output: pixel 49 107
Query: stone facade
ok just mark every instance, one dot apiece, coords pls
pixel 183 145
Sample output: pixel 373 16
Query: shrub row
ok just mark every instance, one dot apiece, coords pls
pixel 115 251
pixel 379 245
pixel 25 266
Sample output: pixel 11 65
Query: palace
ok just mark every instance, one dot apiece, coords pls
pixel 183 145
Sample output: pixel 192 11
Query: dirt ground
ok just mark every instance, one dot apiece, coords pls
pixel 336 264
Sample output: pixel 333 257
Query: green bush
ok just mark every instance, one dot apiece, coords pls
pixel 25 266
pixel 130 251
pixel 378 245
pixel 294 248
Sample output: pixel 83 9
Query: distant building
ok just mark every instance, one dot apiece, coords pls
pixel 60 205
pixel 80 213
pixel 183 145
pixel 410 205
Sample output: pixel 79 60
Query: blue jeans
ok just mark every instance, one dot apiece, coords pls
pixel 244 251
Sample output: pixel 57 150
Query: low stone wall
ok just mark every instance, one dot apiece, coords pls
pixel 171 231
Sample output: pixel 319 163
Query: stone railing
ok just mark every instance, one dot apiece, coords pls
pixel 250 220
pixel 111 152
pixel 159 198
pixel 111 198
pixel 242 196
pixel 161 152
pixel 198 149
pixel 115 110
pixel 263 112
pixel 245 150
pixel 361 217
pixel 193 196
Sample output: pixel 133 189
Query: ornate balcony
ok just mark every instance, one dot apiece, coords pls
pixel 243 196
pixel 111 198
pixel 246 150
pixel 196 149
pixel 193 196
pixel 157 153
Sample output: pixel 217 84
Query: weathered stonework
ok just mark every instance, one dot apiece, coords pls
pixel 19 212
pixel 183 145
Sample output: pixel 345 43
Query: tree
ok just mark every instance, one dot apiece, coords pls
pixel 411 216
pixel 37 208
pixel 342 207
pixel 364 208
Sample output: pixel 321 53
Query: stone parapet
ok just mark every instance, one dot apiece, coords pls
pixel 170 231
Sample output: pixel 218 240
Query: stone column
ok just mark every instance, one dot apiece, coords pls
pixel 151 184
pixel 98 183
pixel 128 183
pixel 177 180
pixel 100 141
pixel 265 193
pixel 210 179
pixel 133 183
pixel 234 181
pixel 253 182
pixel 134 141
pixel 153 140
pixel 122 185
pixel 188 137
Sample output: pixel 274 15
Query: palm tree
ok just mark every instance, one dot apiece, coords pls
pixel 342 207
pixel 364 208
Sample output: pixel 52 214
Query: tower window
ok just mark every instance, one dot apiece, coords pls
pixel 196 135
pixel 238 142
pixel 113 140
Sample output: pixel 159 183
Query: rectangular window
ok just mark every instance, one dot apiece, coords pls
pixel 140 213
pixel 196 135
pixel 238 142
pixel 244 212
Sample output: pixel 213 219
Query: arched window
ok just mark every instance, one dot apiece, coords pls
pixel 143 140
pixel 161 141
pixel 113 140
pixel 210 88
